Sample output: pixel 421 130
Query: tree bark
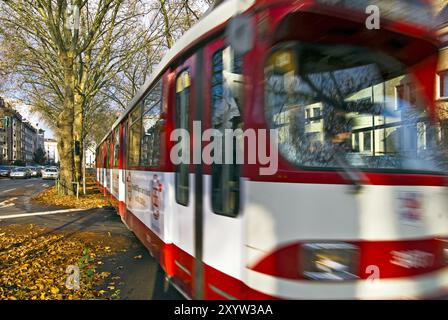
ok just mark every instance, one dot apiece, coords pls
pixel 78 123
pixel 65 126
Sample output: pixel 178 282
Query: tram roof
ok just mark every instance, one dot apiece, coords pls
pixel 212 19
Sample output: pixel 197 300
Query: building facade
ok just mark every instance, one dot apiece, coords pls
pixel 29 138
pixel 40 139
pixel 20 139
pixel 11 136
pixel 51 151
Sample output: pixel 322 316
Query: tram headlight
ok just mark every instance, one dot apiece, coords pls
pixel 329 261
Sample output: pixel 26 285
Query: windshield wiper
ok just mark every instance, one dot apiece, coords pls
pixel 350 173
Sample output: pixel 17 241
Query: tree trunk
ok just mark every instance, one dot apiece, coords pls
pixel 79 110
pixel 65 148
pixel 65 127
pixel 78 133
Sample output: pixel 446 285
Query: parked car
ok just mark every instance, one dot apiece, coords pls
pixel 50 173
pixel 4 171
pixel 34 171
pixel 20 172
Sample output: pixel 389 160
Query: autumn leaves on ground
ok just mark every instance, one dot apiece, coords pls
pixel 93 199
pixel 34 259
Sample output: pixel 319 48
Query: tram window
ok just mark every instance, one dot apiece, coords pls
pixel 443 78
pixel 135 125
pixel 152 127
pixel 183 84
pixel 226 88
pixel 116 146
pixel 371 109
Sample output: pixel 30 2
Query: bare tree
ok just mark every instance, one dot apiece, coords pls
pixel 62 70
pixel 78 77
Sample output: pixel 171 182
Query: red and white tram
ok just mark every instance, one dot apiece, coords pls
pixel 358 206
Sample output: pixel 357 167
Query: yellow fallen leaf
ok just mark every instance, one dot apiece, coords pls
pixel 138 257
pixel 40 274
pixel 54 290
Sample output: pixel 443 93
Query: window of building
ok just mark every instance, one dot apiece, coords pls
pixel 135 128
pixel 443 84
pixel 152 127
pixel 182 185
pixel 227 81
pixel 367 141
pixel 355 142
pixel 308 115
pixel 400 96
pixel 412 94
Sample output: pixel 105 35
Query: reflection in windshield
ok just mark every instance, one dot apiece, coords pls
pixel 338 102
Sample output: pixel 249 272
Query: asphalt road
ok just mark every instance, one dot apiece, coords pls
pixel 15 195
pixel 141 279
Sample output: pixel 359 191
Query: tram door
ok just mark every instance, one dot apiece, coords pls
pixel 105 168
pixel 126 178
pixel 123 166
pixel 223 237
pixel 187 213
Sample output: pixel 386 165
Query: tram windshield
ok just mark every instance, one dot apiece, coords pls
pixel 336 102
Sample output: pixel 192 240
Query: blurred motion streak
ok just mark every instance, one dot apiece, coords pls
pixel 361 189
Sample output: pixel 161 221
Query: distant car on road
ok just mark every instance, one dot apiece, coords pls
pixel 50 173
pixel 4 171
pixel 34 171
pixel 21 172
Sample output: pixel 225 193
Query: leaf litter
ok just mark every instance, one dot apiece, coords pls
pixel 91 200
pixel 34 260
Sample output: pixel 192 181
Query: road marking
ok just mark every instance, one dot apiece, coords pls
pixel 21 215
pixel 45 185
pixel 9 190
pixel 7 203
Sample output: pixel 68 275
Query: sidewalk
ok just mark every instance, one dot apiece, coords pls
pixel 131 273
